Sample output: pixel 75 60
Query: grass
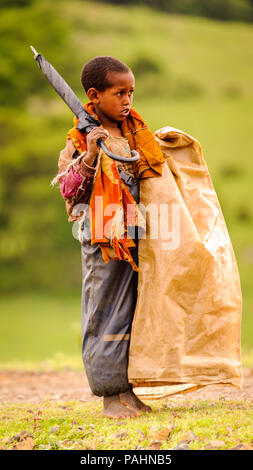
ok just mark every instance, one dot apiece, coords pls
pixel 38 327
pixel 77 425
pixel 214 55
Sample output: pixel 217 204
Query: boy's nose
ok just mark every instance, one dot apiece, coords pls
pixel 127 100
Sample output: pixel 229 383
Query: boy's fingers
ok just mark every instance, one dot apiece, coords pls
pixel 99 130
pixel 96 135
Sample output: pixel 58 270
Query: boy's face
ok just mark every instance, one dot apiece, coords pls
pixel 114 103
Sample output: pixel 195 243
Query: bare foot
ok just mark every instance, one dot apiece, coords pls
pixel 113 408
pixel 130 399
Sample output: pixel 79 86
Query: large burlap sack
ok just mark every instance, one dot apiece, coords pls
pixel 187 324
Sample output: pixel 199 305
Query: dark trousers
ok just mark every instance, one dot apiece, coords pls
pixel 109 294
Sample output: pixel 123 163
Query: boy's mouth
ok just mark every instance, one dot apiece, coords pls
pixel 125 112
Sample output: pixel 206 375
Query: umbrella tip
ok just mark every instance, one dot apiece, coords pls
pixel 35 52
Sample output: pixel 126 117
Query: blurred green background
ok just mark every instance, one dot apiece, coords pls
pixel 193 66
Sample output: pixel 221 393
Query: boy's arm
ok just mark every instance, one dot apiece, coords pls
pixel 77 182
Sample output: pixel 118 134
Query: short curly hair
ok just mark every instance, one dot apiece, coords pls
pixel 94 73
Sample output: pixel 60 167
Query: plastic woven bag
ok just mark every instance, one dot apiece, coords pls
pixel 187 322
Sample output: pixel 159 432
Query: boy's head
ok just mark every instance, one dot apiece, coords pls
pixel 96 73
pixel 109 84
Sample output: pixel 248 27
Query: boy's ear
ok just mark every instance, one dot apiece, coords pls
pixel 93 95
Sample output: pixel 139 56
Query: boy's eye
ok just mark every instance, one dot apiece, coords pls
pixel 121 93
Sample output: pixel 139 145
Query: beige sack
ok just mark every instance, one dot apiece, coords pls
pixel 187 324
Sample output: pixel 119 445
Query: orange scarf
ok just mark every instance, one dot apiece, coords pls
pixel 107 230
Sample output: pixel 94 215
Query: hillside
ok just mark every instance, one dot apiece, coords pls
pixel 192 73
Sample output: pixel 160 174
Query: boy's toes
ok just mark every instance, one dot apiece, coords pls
pixel 130 399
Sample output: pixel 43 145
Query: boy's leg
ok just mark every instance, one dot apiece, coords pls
pixel 108 304
pixel 109 294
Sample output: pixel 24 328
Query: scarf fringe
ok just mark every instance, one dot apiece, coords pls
pixel 123 253
pixel 63 173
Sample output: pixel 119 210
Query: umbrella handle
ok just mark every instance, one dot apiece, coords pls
pixel 87 124
pixel 135 156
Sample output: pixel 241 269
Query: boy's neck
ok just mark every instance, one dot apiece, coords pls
pixel 113 127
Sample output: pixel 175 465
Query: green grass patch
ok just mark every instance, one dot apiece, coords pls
pixel 39 327
pixel 79 425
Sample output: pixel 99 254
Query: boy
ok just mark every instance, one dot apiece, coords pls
pixel 109 264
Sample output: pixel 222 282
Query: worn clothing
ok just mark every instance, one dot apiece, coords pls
pixel 109 290
pixel 111 231
pixel 109 294
pixel 82 176
pixel 76 185
pixel 139 137
pixel 121 147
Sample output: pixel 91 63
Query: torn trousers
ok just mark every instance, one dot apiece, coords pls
pixel 109 294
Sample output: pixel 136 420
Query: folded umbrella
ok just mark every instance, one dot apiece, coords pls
pixel 86 121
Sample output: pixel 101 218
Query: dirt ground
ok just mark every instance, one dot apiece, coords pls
pixel 32 387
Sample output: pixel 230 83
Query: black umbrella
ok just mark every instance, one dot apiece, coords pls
pixel 86 121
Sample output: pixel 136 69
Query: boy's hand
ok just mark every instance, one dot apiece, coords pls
pixel 91 141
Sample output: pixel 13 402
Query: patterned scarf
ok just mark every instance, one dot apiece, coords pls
pixel 112 231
